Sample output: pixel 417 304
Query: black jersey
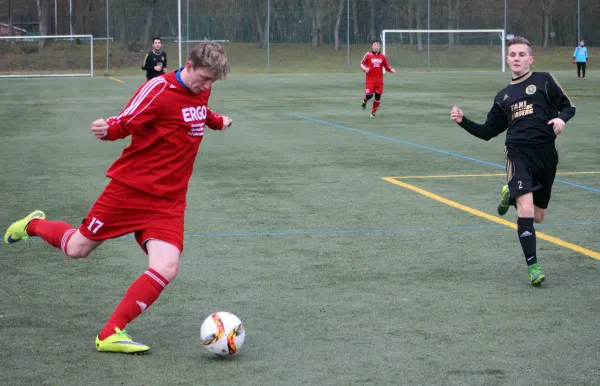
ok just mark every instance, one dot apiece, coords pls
pixel 524 107
pixel 154 59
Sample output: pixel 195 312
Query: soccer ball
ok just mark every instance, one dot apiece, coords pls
pixel 222 333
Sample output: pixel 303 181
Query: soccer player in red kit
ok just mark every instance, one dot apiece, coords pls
pixel 373 64
pixel 146 196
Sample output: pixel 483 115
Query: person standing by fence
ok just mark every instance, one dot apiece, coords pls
pixel 580 57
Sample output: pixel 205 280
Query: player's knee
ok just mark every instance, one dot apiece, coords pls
pixel 377 96
pixel 169 271
pixel 525 208
pixel 538 216
pixel 78 251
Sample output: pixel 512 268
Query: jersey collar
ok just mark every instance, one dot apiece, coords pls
pixel 521 78
pixel 178 76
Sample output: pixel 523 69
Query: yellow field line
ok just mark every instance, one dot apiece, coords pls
pixel 480 175
pixel 495 219
pixel 117 80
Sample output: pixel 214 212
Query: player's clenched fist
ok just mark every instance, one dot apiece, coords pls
pixel 99 128
pixel 226 122
pixel 456 114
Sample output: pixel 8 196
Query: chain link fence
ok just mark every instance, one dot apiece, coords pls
pixel 290 35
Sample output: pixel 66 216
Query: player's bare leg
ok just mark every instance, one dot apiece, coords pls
pixel 538 214
pixel 79 246
pixel 526 233
pixel 162 268
pixel 365 100
pixel 59 234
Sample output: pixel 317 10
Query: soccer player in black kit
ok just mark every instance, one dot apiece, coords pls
pixel 155 62
pixel 533 109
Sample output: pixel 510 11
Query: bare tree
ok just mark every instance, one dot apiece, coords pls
pixel 454 8
pixel 418 8
pixel 338 20
pixel 11 31
pixel 150 6
pixel 372 30
pixel 316 10
pixel 42 6
pixel 354 21
pixel 260 14
pixel 547 11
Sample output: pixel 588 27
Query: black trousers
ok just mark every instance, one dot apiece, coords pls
pixel 580 68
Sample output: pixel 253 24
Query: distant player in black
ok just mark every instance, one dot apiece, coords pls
pixel 155 62
pixel 533 109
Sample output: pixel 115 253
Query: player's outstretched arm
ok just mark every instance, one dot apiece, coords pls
pixel 495 123
pixel 216 121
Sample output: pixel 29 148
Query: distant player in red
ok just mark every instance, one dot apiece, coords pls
pixel 146 196
pixel 373 64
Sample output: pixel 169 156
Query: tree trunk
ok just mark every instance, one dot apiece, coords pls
pixel 11 31
pixel 355 21
pixel 171 26
pixel 319 24
pixel 338 21
pixel 453 11
pixel 261 11
pixel 261 33
pixel 418 18
pixel 123 23
pixel 410 17
pixel 312 14
pixel 372 32
pixel 148 25
pixel 450 19
pixel 547 11
pixel 546 28
pixel 43 19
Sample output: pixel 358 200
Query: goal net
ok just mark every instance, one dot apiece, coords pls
pixel 46 56
pixel 445 49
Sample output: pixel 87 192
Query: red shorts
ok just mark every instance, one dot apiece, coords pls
pixel 121 210
pixel 373 87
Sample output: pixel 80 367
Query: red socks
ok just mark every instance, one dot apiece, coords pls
pixel 55 233
pixel 140 295
pixel 376 104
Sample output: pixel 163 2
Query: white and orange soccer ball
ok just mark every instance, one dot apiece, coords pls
pixel 222 333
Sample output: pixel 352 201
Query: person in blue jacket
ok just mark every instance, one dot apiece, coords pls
pixel 580 56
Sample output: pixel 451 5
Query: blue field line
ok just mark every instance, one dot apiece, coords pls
pixel 428 148
pixel 323 232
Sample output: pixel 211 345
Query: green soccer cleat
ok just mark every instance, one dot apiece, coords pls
pixel 504 203
pixel 120 342
pixel 364 105
pixel 372 116
pixel 536 275
pixel 18 230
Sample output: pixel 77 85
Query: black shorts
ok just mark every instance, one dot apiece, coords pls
pixel 531 169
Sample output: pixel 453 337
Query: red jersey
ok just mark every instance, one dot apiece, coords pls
pixel 166 122
pixel 376 62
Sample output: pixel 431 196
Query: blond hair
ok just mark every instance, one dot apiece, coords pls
pixel 211 56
